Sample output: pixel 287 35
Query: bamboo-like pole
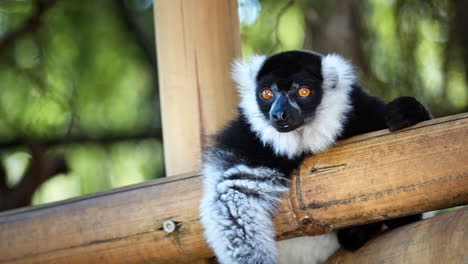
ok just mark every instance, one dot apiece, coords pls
pixel 196 43
pixel 366 178
pixel 383 175
pixel 441 239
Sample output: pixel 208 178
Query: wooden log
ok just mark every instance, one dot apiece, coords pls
pixel 382 175
pixel 196 44
pixel 366 178
pixel 118 226
pixel 441 239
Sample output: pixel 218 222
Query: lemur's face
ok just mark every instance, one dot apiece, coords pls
pixel 289 89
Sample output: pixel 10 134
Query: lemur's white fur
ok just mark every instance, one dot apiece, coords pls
pixel 236 212
pixel 315 136
pixel 307 250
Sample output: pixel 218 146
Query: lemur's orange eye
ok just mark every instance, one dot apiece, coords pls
pixel 303 92
pixel 267 94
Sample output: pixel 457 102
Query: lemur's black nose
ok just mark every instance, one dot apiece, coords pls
pixel 279 116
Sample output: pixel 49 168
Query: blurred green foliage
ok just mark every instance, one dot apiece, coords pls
pixel 88 71
pixel 410 47
pixel 81 73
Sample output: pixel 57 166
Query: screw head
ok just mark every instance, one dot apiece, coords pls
pixel 169 226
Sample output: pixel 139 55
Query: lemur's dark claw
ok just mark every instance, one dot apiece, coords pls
pixel 404 112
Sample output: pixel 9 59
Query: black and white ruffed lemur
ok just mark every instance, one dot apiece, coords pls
pixel 293 104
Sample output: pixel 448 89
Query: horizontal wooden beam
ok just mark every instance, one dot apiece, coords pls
pixel 380 175
pixel 366 178
pixel 441 239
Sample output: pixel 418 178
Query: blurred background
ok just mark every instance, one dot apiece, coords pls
pixel 79 104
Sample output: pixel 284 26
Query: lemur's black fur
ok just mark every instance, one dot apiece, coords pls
pixel 249 164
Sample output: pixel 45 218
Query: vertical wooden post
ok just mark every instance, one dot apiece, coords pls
pixel 196 44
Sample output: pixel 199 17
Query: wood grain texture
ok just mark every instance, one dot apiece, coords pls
pixel 384 175
pixel 441 239
pixel 118 226
pixel 196 44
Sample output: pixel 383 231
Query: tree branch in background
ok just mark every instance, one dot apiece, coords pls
pixel 460 23
pixel 3 179
pixel 448 51
pixel 42 167
pixel 145 45
pixel 277 21
pixel 107 139
pixel 32 24
pixel 359 34
pixel 335 28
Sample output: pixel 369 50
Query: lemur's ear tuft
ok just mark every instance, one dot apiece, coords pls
pixel 244 72
pixel 337 72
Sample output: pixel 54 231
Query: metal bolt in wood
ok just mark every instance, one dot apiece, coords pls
pixel 169 226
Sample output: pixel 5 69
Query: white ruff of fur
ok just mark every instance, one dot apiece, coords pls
pixel 313 137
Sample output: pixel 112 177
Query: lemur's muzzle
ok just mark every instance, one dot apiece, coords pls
pixel 283 116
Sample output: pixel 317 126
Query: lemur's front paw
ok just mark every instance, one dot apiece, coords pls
pixel 404 112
